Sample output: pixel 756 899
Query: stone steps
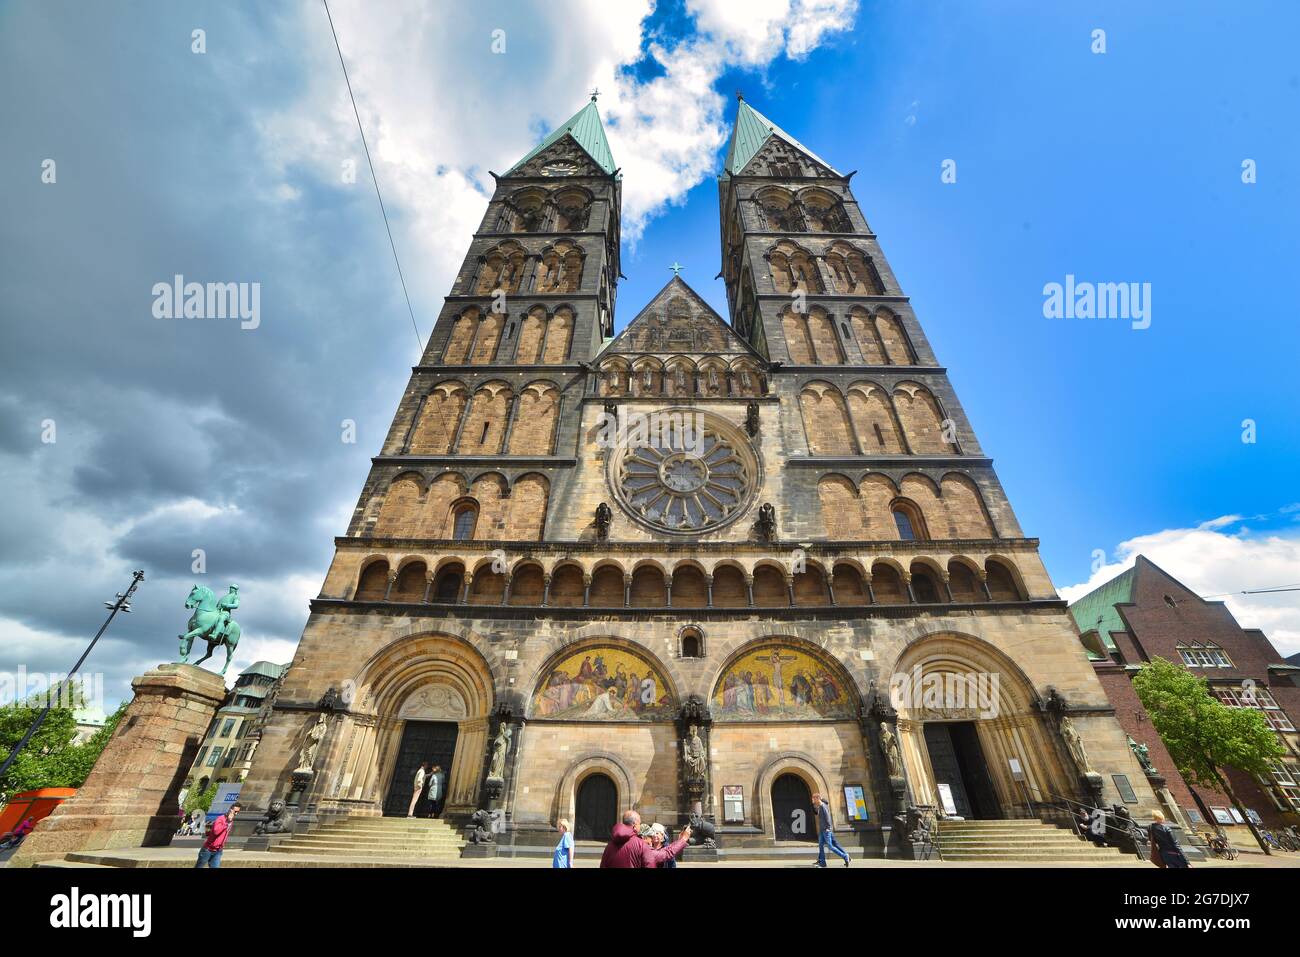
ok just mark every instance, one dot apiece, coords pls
pixel 1027 841
pixel 396 839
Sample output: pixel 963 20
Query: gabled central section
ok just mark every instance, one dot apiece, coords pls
pixel 678 321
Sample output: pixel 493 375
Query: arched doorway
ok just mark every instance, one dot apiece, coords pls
pixel 792 810
pixel 421 698
pixel 432 743
pixel 967 716
pixel 595 808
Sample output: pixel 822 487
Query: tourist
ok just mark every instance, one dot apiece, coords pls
pixel 419 787
pixel 658 837
pixel 1165 851
pixel 210 852
pixel 826 833
pixel 563 855
pixel 626 849
pixel 15 837
pixel 437 790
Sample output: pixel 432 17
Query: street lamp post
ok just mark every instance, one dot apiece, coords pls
pixel 121 603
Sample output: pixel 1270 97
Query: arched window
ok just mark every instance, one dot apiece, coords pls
pixel 463 522
pixel 907 519
pixel 692 643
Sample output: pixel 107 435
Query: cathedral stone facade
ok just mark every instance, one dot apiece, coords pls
pixel 702 567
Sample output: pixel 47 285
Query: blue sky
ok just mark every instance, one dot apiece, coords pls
pixel 225 165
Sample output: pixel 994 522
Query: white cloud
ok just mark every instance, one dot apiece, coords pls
pixel 440 109
pixel 1213 562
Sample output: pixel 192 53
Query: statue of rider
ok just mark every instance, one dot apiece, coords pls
pixel 225 605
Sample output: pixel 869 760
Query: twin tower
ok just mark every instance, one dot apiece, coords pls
pixel 702 567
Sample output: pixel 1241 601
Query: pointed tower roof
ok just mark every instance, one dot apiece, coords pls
pixel 677 321
pixel 751 131
pixel 586 129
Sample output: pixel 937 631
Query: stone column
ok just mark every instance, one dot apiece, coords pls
pixel 129 798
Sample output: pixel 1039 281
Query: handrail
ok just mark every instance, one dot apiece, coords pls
pixel 1128 832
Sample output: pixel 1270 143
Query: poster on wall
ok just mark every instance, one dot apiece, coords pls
pixel 945 798
pixel 733 804
pixel 856 801
pixel 1221 815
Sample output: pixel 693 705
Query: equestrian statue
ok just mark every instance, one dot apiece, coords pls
pixel 212 622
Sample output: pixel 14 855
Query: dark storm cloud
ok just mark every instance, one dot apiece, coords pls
pixel 173 434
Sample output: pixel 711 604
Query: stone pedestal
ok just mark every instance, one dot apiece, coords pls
pixel 129 799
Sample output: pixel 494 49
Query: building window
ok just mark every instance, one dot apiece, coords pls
pixel 226 727
pixel 907 519
pixel 214 757
pixel 243 728
pixel 1197 655
pixel 202 751
pixel 692 643
pixel 463 524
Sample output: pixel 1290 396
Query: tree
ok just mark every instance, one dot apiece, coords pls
pixel 1202 734
pixel 50 759
pixel 200 800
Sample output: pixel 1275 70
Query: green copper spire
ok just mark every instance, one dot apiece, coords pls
pixel 586 129
pixel 750 133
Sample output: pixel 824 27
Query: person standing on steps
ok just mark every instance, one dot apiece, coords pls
pixel 1165 851
pixel 437 790
pixel 826 832
pixel 419 787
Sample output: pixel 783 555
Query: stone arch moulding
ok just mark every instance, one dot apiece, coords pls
pixel 786 762
pixel 593 762
pixel 1007 719
pixel 424 675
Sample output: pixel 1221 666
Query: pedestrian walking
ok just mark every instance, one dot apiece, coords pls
pixel 826 833
pixel 214 844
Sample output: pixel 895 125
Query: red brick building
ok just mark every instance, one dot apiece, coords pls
pixel 1145 613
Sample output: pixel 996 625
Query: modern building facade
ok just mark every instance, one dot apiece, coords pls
pixel 705 565
pixel 1145 613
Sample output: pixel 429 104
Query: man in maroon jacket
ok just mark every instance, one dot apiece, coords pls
pixel 626 849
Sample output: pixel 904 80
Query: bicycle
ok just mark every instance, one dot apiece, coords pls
pixel 1220 846
pixel 1270 840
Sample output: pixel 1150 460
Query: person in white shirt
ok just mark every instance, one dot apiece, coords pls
pixel 419 787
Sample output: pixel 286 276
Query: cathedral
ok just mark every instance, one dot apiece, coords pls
pixel 703 567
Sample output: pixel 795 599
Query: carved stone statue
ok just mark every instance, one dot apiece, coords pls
pixel 766 524
pixel 274 822
pixel 478 830
pixel 500 745
pixel 1143 754
pixel 751 418
pixel 889 745
pixel 1074 744
pixel 693 754
pixel 307 755
pixel 604 516
pixel 703 833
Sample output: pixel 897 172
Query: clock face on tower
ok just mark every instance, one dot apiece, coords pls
pixel 560 169
pixel 682 471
